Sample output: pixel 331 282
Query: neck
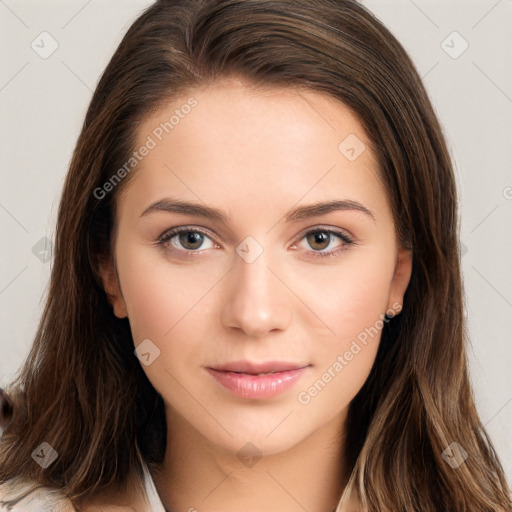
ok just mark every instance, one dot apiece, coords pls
pixel 198 476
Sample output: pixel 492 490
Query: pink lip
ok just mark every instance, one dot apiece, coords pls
pixel 242 379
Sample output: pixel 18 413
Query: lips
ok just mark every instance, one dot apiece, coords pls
pixel 258 381
pixel 251 368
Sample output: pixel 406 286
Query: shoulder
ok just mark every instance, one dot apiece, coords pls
pixel 19 495
pixel 16 496
pixel 22 496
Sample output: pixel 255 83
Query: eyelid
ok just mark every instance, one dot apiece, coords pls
pixel 169 233
pixel 328 229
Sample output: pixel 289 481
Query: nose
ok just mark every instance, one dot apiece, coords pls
pixel 257 302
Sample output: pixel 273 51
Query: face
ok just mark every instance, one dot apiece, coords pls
pixel 236 265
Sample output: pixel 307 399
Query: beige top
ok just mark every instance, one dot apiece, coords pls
pixel 18 496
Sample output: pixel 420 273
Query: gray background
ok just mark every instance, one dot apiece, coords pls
pixel 43 103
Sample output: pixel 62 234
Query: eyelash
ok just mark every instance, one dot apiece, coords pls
pixel 170 234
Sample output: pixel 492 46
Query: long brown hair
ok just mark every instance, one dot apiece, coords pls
pixel 83 391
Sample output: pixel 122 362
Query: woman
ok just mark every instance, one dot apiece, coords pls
pixel 256 298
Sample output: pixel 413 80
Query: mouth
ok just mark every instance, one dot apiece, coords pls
pixel 258 381
pixel 263 368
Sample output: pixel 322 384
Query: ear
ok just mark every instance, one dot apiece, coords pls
pixel 110 280
pixel 400 280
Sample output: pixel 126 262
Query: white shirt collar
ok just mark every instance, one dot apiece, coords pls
pixel 155 502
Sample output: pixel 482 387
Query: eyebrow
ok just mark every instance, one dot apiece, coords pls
pixel 295 214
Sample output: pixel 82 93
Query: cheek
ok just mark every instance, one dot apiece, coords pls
pixel 354 310
pixel 361 303
pixel 159 295
pixel 165 305
pixel 351 298
pixel 152 309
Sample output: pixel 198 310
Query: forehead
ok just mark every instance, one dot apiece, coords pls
pixel 232 110
pixel 260 143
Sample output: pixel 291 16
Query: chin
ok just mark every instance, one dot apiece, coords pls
pixel 256 445
pixel 265 436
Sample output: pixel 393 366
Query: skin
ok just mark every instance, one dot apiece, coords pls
pixel 255 154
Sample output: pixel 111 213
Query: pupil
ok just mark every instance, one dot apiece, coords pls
pixel 320 238
pixel 191 238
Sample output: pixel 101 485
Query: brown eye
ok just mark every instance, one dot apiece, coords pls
pixel 191 240
pixel 318 240
pixel 183 240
